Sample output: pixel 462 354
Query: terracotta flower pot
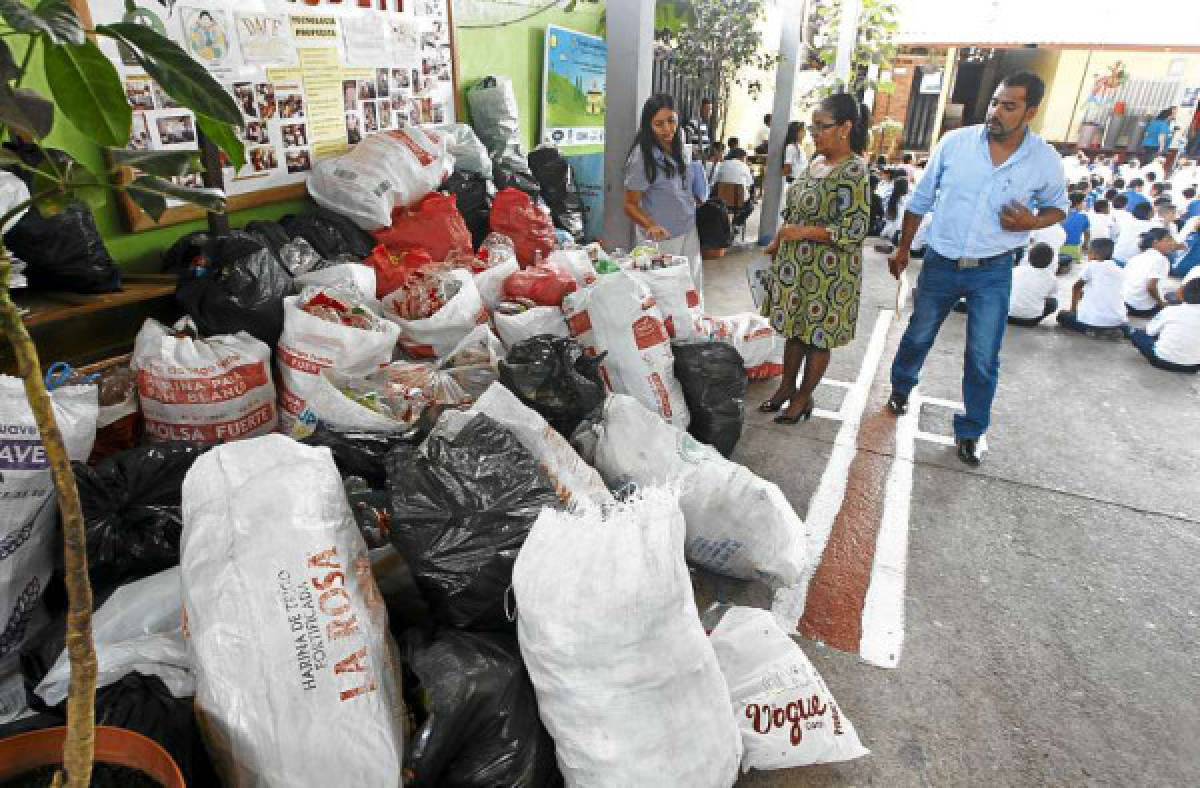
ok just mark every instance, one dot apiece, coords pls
pixel 29 751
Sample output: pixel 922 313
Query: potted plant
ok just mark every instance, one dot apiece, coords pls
pixel 86 90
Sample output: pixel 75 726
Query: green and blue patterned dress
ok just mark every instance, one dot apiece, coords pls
pixel 815 287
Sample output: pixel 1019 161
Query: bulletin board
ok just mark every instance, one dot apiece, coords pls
pixel 312 80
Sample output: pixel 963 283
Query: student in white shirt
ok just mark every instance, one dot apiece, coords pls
pixel 1130 233
pixel 1053 236
pixel 1102 223
pixel 1034 288
pixel 764 136
pixel 1097 297
pixel 736 170
pixel 794 157
pixel 1172 339
pixel 1145 271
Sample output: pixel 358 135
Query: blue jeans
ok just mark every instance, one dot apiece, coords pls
pixel 1145 344
pixel 986 290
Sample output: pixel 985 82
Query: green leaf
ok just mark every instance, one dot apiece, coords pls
pixel 222 135
pixel 165 163
pixel 89 92
pixel 175 71
pixel 20 17
pixel 60 22
pixel 155 205
pixel 25 111
pixel 209 199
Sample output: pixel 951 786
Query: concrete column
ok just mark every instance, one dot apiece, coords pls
pixel 847 35
pixel 781 114
pixel 630 61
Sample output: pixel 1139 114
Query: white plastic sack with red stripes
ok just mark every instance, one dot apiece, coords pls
pixel 751 334
pixel 203 389
pixel 677 299
pixel 787 715
pixel 627 684
pixel 296 677
pixel 619 316
pixel 310 344
pixel 438 334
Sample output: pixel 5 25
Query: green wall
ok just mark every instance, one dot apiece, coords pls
pixel 137 252
pixel 515 51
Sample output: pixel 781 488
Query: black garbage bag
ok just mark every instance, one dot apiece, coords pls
pixel 230 283
pixel 131 509
pixel 473 202
pixel 522 180
pixel 362 453
pixel 713 377
pixel 480 725
pixel 553 174
pixel 554 377
pixel 713 225
pixel 64 252
pixel 461 510
pixel 270 233
pixel 332 236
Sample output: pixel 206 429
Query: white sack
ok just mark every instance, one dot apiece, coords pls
pixel 309 344
pixel 627 684
pixel 787 715
pixel 676 297
pixel 203 390
pixel 469 153
pixel 490 283
pixel 537 320
pixel 577 262
pixel 353 275
pixel 138 629
pixel 737 523
pixel 751 334
pixel 564 466
pixel 28 514
pixel 623 321
pixel 438 334
pixel 296 681
pixel 385 170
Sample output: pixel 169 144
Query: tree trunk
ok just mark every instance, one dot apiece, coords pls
pixel 79 745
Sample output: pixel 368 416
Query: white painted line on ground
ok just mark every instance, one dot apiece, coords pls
pixel 788 605
pixel 883 609
pixel 839 383
pixel 933 437
pixel 832 415
pixel 943 403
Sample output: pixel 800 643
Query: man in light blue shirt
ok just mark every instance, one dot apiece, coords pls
pixel 983 184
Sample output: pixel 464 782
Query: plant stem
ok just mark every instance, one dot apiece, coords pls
pixel 33 42
pixel 79 745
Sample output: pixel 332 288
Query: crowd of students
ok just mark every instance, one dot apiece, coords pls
pixel 1134 232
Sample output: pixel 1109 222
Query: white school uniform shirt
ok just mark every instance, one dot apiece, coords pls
pixel 1130 238
pixel 735 171
pixel 1102 225
pixel 1030 289
pixel 1141 268
pixel 1054 236
pixel 1103 301
pixel 1178 331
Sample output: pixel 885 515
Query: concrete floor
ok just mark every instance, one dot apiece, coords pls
pixel 1053 595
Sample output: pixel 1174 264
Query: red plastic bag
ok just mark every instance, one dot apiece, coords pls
pixel 434 225
pixel 392 270
pixel 530 229
pixel 544 285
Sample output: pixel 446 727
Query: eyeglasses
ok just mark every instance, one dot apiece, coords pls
pixel 819 127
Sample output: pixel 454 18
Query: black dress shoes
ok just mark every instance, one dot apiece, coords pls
pixel 968 451
pixel 898 403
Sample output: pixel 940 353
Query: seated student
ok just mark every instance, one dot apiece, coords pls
pixel 1053 236
pixel 1129 234
pixel 1033 288
pixel 1097 299
pixel 734 146
pixel 1146 270
pixel 1134 193
pixel 1101 223
pixel 1192 205
pixel 1077 228
pixel 735 170
pixel 1188 261
pixel 1172 339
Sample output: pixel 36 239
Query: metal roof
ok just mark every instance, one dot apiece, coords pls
pixel 1059 24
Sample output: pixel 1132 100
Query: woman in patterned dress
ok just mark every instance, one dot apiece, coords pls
pixel 816 273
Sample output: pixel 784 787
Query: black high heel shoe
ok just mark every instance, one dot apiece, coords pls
pixel 803 415
pixel 771 406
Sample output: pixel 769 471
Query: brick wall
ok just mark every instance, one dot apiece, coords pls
pixel 894 105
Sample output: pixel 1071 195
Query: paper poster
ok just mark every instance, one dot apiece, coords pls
pixel 366 41
pixel 206 34
pixel 573 88
pixel 312 30
pixel 265 39
pixel 321 74
pixel 405 42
